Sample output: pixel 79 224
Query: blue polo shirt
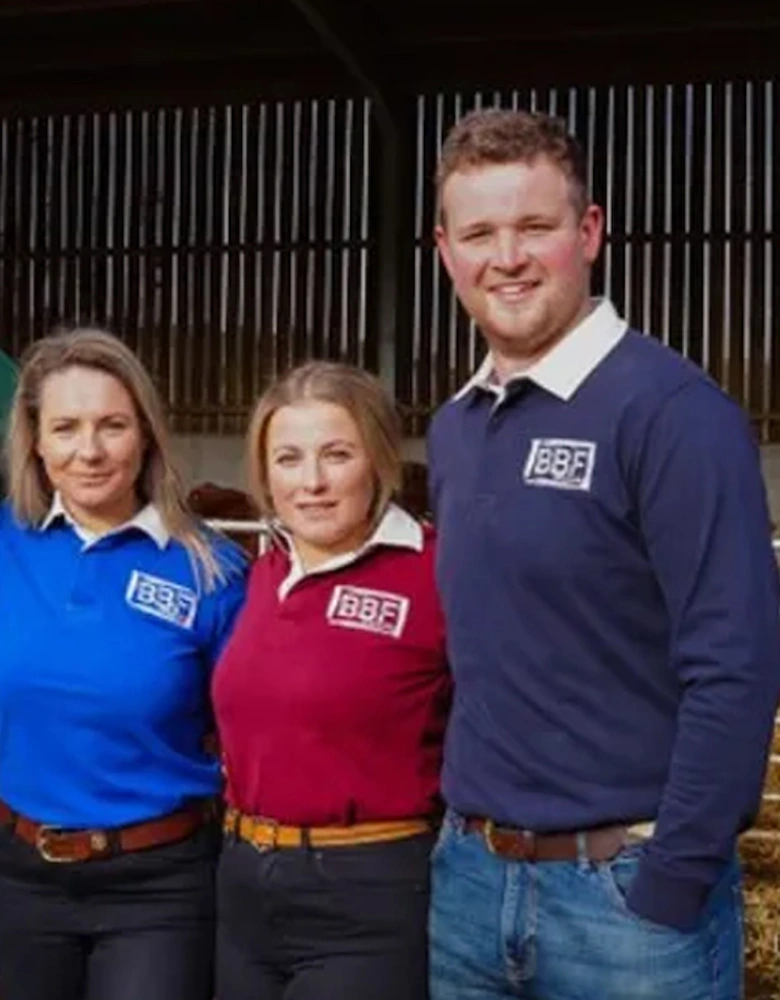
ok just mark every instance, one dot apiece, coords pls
pixel 105 662
pixel 611 599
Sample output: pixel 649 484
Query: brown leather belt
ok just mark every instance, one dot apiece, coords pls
pixel 58 845
pixel 266 834
pixel 509 842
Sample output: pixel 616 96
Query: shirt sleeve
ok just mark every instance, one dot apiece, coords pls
pixel 431 457
pixel 225 601
pixel 705 524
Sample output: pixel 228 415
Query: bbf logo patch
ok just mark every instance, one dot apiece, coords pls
pixel 162 599
pixel 561 463
pixel 369 610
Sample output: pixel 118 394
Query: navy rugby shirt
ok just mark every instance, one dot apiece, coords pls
pixel 611 600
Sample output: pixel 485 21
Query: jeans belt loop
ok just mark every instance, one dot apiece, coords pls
pixel 582 848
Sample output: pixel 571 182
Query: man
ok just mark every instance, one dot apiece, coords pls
pixel 612 607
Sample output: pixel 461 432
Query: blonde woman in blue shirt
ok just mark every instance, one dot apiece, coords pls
pixel 114 604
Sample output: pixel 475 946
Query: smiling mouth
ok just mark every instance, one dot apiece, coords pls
pixel 93 480
pixel 515 292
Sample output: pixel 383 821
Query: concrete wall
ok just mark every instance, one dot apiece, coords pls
pixel 220 460
pixel 770 458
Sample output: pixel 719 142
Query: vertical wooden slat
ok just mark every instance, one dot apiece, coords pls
pixel 330 210
pixel 312 232
pixel 365 354
pixel 70 175
pixel 21 329
pixel 113 218
pixel 772 253
pixel 294 335
pixel 277 359
pixel 227 243
pixel 101 208
pixel 11 241
pixel 197 327
pixel 184 239
pixel 764 175
pixel 726 289
pixel 86 223
pixel 739 142
pixel 717 230
pixel 254 231
pixel 238 328
pixel 166 184
pixel 147 237
pixel 266 257
pixel 648 268
pixel 344 227
pixel 124 181
pixel 6 246
pixel 225 309
pixel 39 301
pixel 136 229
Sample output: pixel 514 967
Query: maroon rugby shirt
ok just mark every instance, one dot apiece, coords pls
pixel 332 695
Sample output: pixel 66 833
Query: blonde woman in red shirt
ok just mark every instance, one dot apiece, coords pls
pixel 331 699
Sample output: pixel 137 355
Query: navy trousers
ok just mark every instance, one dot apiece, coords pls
pixel 138 926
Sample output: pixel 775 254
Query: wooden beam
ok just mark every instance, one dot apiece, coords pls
pixel 20 8
pixel 360 56
pixel 358 53
pixel 221 81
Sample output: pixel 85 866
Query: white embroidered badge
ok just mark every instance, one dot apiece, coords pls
pixel 162 599
pixel 370 610
pixel 561 463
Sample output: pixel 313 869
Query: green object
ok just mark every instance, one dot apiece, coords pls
pixel 8 375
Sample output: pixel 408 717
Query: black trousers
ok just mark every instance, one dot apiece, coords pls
pixel 343 923
pixel 138 926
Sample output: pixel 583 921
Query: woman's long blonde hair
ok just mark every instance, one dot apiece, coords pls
pixel 364 398
pixel 30 491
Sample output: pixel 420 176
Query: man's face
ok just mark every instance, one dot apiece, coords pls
pixel 519 253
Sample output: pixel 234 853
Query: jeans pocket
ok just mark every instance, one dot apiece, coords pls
pixel 445 835
pixel 617 877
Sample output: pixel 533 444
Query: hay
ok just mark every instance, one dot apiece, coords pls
pixel 762 939
pixel 760 853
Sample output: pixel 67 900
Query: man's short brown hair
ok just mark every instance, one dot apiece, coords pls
pixel 498 136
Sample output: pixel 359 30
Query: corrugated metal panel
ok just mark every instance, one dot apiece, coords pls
pixel 225 243
pixel 687 177
pixel 222 243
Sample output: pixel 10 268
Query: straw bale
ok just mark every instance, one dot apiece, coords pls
pixel 760 854
pixel 762 939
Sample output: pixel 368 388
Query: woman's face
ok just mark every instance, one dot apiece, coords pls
pixel 91 444
pixel 321 479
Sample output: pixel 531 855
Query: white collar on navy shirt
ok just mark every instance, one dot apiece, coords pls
pixel 147 520
pixel 396 528
pixel 563 369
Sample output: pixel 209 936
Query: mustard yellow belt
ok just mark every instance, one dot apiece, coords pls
pixel 262 832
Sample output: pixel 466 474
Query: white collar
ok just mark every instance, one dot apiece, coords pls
pixel 147 520
pixel 397 529
pixel 564 368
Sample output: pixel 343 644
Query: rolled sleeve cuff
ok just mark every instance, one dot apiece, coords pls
pixel 667 899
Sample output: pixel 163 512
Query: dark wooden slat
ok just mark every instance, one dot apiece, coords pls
pixel 162 346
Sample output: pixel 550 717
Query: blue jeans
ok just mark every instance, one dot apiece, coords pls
pixel 562 931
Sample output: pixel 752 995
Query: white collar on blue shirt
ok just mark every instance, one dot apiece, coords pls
pixel 147 520
pixel 396 528
pixel 563 369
